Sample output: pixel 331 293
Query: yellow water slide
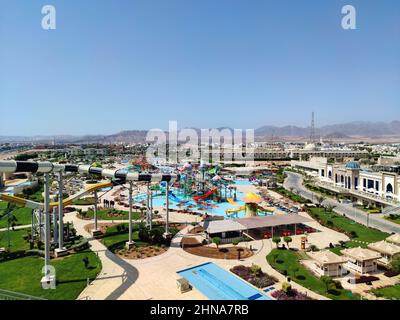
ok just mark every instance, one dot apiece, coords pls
pixel 232 202
pixel 241 208
pixel 267 209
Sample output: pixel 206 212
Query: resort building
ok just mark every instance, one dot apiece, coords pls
pixel 361 260
pixel 387 250
pixel 227 230
pixel 326 263
pixel 377 184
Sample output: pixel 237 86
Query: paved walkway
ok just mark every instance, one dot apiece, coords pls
pixel 155 278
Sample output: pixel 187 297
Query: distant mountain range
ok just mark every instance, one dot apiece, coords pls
pixel 348 130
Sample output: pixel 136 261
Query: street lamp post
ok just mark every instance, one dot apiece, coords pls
pixel 130 242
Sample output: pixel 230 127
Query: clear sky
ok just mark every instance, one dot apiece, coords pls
pixel 115 65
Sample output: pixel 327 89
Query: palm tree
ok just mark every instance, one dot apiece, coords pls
pixel 320 200
pixel 327 281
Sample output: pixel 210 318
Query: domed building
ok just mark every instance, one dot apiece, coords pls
pixel 352 165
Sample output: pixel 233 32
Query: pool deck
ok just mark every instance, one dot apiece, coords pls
pixel 155 277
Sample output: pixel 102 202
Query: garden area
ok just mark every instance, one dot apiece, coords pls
pixel 291 195
pixel 359 234
pixel 107 214
pixel 254 275
pixel 23 275
pixel 287 262
pixel 393 218
pixel 19 216
pixel 391 293
pixel 84 202
pixel 147 243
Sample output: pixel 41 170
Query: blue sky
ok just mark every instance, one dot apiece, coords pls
pixel 114 65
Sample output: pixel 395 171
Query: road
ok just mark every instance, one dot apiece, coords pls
pixel 295 181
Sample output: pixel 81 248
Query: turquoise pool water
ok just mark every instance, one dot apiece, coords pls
pixel 217 208
pixel 218 284
pixel 159 201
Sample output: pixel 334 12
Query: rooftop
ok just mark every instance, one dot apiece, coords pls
pixel 218 226
pixel 361 254
pixel 326 257
pixel 272 221
pixel 385 247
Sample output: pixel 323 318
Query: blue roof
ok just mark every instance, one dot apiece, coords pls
pixel 353 165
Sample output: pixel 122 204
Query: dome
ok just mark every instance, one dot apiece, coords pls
pixel 352 165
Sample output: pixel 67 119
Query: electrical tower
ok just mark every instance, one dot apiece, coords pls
pixel 312 129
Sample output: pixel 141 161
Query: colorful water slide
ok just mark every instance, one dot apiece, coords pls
pixel 173 197
pixel 241 208
pixel 268 209
pixel 232 202
pixel 206 204
pixel 206 195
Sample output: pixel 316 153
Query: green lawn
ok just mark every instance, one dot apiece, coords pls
pixel 345 225
pixel 291 195
pixel 393 218
pixel 22 214
pixel 115 240
pixel 84 202
pixel 321 191
pixel 16 240
pixel 23 275
pixel 107 214
pixel 288 260
pixel 392 292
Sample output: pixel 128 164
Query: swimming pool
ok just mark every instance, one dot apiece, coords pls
pixel 219 284
pixel 219 209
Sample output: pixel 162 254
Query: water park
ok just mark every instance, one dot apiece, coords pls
pixel 198 227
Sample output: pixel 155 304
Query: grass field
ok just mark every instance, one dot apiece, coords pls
pixel 360 235
pixel 393 218
pixel 84 202
pixel 291 195
pixel 288 260
pixel 23 275
pixel 115 240
pixel 392 292
pixel 16 240
pixel 110 214
pixel 23 215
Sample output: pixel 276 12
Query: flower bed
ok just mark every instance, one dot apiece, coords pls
pixel 254 275
pixel 292 294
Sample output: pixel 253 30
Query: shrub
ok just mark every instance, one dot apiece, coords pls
pixel 255 269
pixel 353 234
pixel 286 287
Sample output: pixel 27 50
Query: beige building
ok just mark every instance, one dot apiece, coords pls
pixel 387 250
pixel 326 263
pixel 361 260
pixel 394 238
pixel 380 185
